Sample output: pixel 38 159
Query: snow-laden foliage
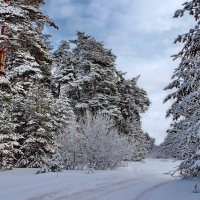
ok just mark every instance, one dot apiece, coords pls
pixel 42 118
pixel 28 54
pixel 66 133
pixel 9 145
pixel 38 127
pixel 183 137
pixel 190 168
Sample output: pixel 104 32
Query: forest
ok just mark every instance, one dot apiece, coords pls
pixel 70 108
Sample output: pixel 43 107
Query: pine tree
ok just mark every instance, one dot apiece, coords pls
pixel 185 109
pixel 95 77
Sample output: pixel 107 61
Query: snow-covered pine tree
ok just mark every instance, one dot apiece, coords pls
pixel 185 109
pixel 69 140
pixel 45 120
pixel 133 102
pixel 94 85
pixel 176 144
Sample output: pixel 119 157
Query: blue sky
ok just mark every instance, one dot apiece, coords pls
pixel 141 35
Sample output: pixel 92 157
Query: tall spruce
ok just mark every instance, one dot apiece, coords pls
pixel 185 109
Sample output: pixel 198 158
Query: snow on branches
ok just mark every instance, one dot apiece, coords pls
pixel 185 109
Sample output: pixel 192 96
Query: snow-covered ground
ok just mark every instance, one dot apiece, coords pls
pixel 146 180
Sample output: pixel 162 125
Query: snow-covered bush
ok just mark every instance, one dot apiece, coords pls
pixel 97 142
pixel 103 146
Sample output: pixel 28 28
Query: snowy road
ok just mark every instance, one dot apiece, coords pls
pixel 139 181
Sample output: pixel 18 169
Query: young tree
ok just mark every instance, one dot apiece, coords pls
pixel 67 137
pixel 64 127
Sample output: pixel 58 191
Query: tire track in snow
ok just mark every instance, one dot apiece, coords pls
pixel 151 189
pixel 97 194
pixel 132 184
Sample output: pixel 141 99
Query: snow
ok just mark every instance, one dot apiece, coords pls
pixel 4 80
pixel 5 9
pixel 81 105
pixel 138 181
